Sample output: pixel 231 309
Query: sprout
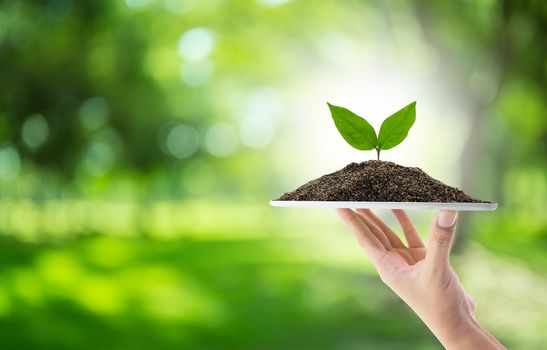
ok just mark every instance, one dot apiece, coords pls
pixel 362 136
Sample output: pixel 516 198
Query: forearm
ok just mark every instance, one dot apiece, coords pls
pixel 467 336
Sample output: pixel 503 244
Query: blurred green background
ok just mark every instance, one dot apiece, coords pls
pixel 141 140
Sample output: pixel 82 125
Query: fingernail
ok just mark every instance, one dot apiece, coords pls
pixel 446 218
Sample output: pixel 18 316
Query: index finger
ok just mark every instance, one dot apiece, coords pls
pixel 391 236
pixel 370 244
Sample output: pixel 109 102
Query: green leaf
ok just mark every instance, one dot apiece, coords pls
pixel 354 129
pixel 395 128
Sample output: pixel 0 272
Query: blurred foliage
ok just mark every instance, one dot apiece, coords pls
pixel 135 161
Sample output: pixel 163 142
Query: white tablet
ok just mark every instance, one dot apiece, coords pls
pixel 387 205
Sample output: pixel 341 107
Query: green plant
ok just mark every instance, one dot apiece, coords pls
pixel 361 135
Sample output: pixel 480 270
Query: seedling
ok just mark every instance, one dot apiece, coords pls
pixel 374 184
pixel 361 135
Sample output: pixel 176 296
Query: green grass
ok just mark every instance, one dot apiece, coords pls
pixel 138 293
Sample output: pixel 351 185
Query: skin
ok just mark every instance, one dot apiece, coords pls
pixel 422 277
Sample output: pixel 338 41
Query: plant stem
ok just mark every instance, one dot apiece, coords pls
pixel 378 152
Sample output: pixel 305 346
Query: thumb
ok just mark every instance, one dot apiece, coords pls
pixel 441 237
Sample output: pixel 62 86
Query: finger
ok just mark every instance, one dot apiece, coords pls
pixel 412 237
pixel 370 244
pixel 376 231
pixel 394 240
pixel 441 237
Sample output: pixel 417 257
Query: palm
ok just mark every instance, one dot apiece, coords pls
pixel 405 257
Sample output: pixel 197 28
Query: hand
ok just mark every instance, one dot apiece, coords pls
pixel 422 278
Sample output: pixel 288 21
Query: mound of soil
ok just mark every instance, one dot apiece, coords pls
pixel 378 181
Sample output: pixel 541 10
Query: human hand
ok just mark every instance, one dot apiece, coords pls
pixel 422 277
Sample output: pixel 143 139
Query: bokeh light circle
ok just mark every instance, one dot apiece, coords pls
pixel 196 44
pixel 10 163
pixel 256 131
pixel 99 158
pixel 221 139
pixel 182 141
pixel 196 73
pixel 94 113
pixel 35 131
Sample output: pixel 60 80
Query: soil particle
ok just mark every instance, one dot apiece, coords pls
pixel 378 181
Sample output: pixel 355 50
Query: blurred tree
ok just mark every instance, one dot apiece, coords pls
pixel 55 56
pixel 496 52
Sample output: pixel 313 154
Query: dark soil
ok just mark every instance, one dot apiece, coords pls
pixel 378 181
